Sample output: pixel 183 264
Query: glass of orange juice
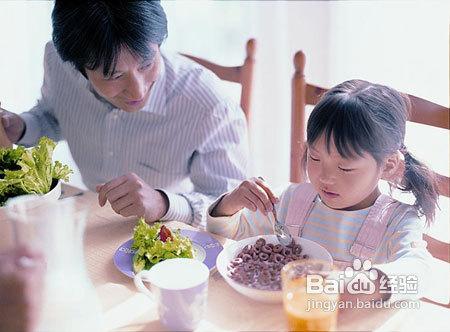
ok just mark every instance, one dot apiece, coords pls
pixel 310 298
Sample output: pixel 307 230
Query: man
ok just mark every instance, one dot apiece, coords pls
pixel 151 133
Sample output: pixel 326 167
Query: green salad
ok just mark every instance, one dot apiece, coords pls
pixel 156 243
pixel 29 171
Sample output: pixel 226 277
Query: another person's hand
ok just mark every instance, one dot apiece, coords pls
pixel 11 128
pixel 21 284
pixel 253 194
pixel 129 195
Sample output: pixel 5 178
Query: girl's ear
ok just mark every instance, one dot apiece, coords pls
pixel 394 167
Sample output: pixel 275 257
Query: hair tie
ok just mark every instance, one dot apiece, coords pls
pixel 403 149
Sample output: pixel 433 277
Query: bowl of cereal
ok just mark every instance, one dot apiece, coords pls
pixel 252 266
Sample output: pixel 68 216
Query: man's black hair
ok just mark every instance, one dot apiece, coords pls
pixel 90 34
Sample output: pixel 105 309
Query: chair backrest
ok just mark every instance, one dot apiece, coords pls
pixel 239 74
pixel 422 112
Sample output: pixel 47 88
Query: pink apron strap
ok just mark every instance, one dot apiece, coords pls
pixel 299 208
pixel 373 228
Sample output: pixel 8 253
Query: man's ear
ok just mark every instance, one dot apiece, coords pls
pixel 394 167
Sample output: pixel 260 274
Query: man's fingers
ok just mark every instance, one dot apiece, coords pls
pixel 5 120
pixel 103 191
pixel 118 192
pixel 101 199
pixel 122 203
pixel 114 183
pixel 4 139
pixel 131 210
pixel 4 123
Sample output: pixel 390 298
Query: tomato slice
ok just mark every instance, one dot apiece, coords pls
pixel 164 233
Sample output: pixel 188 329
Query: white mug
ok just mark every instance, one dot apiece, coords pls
pixel 179 287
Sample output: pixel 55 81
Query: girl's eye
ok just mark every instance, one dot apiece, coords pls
pixel 313 159
pixel 345 169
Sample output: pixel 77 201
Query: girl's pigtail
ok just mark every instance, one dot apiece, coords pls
pixel 420 180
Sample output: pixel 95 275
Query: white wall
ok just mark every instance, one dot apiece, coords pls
pixel 280 28
pixel 25 27
pixel 403 44
pixel 399 43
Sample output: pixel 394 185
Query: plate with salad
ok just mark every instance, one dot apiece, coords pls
pixel 154 243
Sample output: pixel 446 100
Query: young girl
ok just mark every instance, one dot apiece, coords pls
pixel 355 137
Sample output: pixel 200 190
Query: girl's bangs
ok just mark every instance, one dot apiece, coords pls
pixel 342 124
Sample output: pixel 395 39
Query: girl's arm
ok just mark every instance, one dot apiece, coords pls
pixel 232 221
pixel 242 224
pixel 408 264
pixel 406 274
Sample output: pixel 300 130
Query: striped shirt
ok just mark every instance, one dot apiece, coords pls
pixel 189 140
pixel 402 251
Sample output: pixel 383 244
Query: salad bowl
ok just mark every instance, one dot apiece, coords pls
pixel 31 171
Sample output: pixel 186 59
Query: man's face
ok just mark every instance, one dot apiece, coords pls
pixel 128 87
pixel 343 184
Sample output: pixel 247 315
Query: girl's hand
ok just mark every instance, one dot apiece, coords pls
pixel 253 194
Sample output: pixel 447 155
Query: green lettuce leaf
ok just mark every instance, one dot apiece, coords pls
pixel 151 250
pixel 9 159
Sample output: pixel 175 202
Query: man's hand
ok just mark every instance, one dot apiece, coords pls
pixel 129 195
pixel 12 128
pixel 21 284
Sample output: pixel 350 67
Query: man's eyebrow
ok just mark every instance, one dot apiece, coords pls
pixel 150 56
pixel 113 72
pixel 109 75
pixel 142 62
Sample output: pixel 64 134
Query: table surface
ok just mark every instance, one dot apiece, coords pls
pixel 125 309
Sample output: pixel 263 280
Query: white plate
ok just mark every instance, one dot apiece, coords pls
pixel 310 248
pixel 206 249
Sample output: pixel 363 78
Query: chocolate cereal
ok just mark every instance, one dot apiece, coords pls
pixel 259 265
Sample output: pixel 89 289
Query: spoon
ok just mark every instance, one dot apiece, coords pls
pixel 281 230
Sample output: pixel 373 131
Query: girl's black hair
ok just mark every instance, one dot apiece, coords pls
pixel 364 117
pixel 90 34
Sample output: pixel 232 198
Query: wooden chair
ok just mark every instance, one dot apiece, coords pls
pixel 303 93
pixel 239 74
pixel 422 112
